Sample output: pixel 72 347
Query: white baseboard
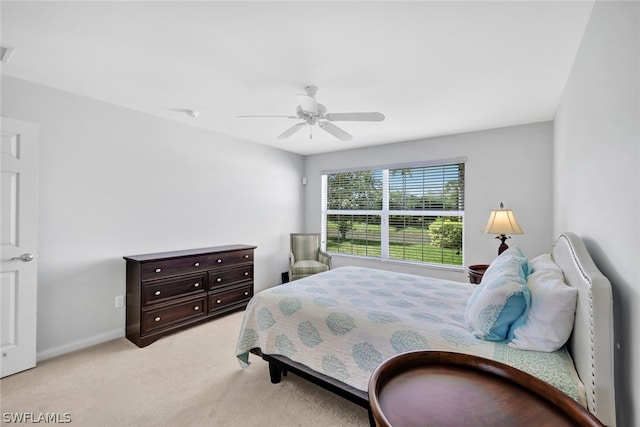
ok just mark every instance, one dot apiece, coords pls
pixel 80 344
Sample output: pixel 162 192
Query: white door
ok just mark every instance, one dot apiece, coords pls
pixel 19 240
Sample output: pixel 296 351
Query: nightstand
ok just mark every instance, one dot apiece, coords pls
pixel 442 388
pixel 476 271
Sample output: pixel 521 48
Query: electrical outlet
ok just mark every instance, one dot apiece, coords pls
pixel 120 301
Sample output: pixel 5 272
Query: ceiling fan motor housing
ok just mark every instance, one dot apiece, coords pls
pixel 311 90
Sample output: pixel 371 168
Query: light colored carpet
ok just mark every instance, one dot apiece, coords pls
pixel 191 378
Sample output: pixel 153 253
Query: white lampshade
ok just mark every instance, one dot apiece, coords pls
pixel 502 221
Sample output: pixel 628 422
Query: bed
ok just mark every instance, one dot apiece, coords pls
pixel 360 317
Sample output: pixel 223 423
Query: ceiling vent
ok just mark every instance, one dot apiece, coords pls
pixel 5 53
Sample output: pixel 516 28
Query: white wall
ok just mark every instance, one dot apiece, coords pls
pixel 510 165
pixel 597 179
pixel 116 182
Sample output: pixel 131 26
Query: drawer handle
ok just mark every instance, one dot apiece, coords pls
pixel 196 308
pixel 219 261
pixel 195 285
pixel 197 264
pixel 218 280
pixel 218 301
pixel 246 256
pixel 157 292
pixel 157 319
pixel 158 270
pixel 246 273
pixel 246 293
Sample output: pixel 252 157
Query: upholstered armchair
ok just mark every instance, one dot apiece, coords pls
pixel 306 257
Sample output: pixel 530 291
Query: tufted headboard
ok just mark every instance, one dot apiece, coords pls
pixel 591 343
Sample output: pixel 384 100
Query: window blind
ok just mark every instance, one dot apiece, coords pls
pixel 410 213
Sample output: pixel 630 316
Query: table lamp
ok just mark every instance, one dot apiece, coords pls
pixel 502 222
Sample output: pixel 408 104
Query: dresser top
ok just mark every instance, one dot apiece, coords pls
pixel 187 252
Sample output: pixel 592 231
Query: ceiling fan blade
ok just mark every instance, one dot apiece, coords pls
pixel 355 117
pixel 288 117
pixel 308 103
pixel 335 131
pixel 293 129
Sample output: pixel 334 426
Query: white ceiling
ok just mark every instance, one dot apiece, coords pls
pixel 433 68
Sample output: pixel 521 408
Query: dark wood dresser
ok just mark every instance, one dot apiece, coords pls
pixel 170 291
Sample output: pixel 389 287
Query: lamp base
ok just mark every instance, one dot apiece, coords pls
pixel 503 246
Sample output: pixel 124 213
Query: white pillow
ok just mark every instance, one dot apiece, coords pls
pixel 552 311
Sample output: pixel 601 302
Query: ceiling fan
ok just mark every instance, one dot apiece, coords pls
pixel 312 113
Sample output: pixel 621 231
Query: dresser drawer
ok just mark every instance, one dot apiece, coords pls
pixel 172 267
pixel 230 258
pixel 233 296
pixel 222 278
pixel 159 291
pixel 169 315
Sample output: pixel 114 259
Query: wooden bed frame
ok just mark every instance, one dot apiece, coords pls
pixel 590 345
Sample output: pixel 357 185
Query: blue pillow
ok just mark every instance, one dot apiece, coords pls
pixel 501 301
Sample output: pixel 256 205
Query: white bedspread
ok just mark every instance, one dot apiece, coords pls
pixel 345 322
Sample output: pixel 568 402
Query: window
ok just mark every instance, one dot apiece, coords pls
pixel 413 213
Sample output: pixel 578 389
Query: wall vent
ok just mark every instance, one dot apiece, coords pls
pixel 5 53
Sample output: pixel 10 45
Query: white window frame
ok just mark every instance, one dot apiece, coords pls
pixel 386 212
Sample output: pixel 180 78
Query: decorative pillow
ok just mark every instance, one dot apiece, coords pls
pixel 552 311
pixel 501 300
